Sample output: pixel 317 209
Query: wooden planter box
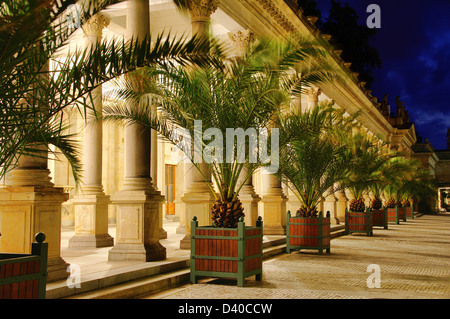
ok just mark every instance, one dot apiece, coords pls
pixel 308 233
pixel 226 252
pixel 393 215
pixel 402 213
pixel 359 222
pixel 380 218
pixel 409 212
pixel 24 276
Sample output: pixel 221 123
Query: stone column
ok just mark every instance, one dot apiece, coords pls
pixel 341 204
pixel 138 203
pixel 330 204
pixel 313 97
pixel 91 204
pixel 247 195
pixel 154 175
pixel 349 196
pixel 29 204
pixel 272 204
pixel 198 197
pixel 293 203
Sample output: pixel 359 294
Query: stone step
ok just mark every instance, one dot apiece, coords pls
pixel 141 287
pixel 147 280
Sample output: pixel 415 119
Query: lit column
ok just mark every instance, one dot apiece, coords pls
pixel 313 97
pixel 247 194
pixel 341 204
pixel 91 204
pixel 198 197
pixel 29 204
pixel 138 203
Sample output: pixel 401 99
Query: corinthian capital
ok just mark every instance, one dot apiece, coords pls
pixel 241 40
pixel 201 10
pixel 313 94
pixel 95 25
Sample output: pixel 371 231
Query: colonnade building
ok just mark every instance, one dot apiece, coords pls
pixel 135 181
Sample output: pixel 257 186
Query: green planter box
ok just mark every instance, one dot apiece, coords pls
pixel 226 252
pixel 359 222
pixel 24 276
pixel 308 233
pixel 380 218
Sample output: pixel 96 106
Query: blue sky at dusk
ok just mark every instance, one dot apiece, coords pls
pixel 414 46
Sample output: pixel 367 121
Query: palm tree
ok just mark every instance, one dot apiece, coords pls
pixel 31 33
pixel 368 168
pixel 241 93
pixel 316 157
pixel 416 183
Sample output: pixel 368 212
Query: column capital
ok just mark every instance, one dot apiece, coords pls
pixel 94 26
pixel 313 94
pixel 241 40
pixel 201 10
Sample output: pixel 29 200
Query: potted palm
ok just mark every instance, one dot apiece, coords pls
pixel 312 163
pixel 368 159
pixel 379 214
pixel 240 93
pixel 387 174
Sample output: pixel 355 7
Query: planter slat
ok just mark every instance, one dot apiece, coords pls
pixel 224 252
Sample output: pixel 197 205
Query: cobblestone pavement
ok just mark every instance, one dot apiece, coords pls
pixel 413 260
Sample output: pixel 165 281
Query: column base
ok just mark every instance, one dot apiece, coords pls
pixel 57 269
pixel 91 221
pixel 185 243
pixel 137 252
pixel 273 211
pixel 249 200
pixel 197 202
pixel 137 228
pixel 162 233
pixel 329 205
pixel 91 240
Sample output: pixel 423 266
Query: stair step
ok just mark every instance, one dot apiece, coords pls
pixel 136 288
pixel 175 277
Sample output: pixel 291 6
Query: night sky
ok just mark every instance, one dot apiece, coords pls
pixel 414 46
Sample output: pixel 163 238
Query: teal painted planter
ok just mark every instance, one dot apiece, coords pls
pixel 226 252
pixel 24 276
pixel 359 222
pixel 308 233
pixel 380 218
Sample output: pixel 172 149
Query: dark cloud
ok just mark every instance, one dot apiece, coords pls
pixel 414 46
